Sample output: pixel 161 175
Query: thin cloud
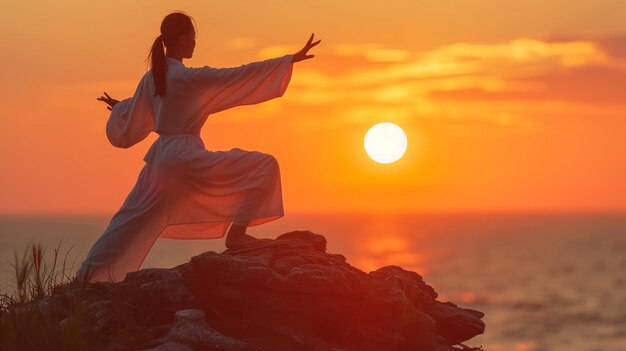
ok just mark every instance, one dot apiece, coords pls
pixel 240 43
pixel 519 69
pixel 613 45
pixel 588 84
pixel 373 52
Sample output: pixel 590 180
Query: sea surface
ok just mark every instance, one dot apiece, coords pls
pixel 544 281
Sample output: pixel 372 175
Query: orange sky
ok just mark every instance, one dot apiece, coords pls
pixel 507 106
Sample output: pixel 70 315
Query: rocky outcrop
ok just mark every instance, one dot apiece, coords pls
pixel 282 294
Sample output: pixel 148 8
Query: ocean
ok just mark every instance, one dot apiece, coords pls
pixel 544 281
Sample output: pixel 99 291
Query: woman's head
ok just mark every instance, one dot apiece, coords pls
pixel 178 35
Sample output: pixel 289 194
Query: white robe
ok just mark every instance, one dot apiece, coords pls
pixel 185 191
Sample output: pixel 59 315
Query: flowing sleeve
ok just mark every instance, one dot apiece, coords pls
pixel 132 119
pixel 222 88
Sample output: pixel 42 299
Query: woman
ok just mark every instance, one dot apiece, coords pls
pixel 185 191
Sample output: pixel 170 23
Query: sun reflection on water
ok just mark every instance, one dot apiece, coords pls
pixel 383 244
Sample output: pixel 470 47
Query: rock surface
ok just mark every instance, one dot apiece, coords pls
pixel 282 294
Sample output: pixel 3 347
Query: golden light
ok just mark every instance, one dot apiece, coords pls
pixel 385 142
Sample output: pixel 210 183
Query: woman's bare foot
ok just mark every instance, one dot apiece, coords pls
pixel 238 239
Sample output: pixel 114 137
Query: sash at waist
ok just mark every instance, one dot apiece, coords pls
pixel 181 141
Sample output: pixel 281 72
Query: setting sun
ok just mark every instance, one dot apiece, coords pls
pixel 385 142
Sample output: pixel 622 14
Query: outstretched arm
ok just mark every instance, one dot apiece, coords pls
pixel 219 89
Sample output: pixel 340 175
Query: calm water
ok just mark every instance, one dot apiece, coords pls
pixel 545 282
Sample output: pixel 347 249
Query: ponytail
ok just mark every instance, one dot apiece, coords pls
pixel 159 65
pixel 173 26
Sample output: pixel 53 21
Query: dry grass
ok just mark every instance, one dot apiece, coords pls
pixel 30 320
pixel 26 319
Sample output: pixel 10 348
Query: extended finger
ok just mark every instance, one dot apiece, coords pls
pixel 310 39
pixel 317 42
pixel 105 93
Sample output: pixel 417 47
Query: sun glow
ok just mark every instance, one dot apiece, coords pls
pixel 385 142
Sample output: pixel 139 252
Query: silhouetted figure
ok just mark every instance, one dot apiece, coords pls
pixel 185 191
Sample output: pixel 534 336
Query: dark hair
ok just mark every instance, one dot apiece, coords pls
pixel 173 26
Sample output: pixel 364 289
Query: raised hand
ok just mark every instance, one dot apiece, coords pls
pixel 109 100
pixel 302 54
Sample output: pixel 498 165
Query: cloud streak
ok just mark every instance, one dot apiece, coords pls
pixel 349 80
